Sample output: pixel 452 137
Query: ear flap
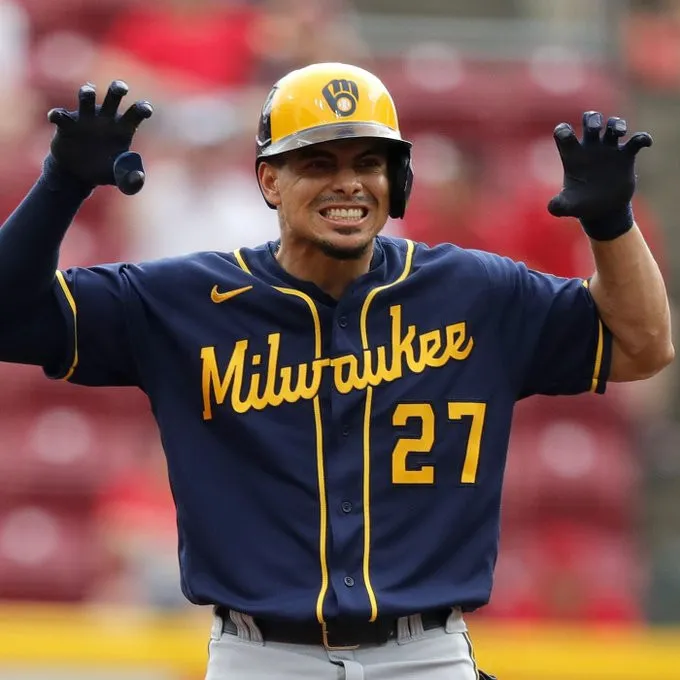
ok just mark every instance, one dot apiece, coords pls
pixel 400 177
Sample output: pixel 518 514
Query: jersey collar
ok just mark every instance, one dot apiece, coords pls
pixel 263 264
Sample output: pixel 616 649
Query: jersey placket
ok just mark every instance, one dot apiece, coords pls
pixel 349 453
pixel 344 439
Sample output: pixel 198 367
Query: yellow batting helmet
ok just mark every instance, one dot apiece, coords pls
pixel 329 101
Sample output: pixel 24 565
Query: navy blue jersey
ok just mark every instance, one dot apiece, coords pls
pixel 335 458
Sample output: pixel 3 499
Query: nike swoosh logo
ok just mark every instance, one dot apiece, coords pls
pixel 218 297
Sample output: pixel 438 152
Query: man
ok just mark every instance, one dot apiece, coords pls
pixel 335 406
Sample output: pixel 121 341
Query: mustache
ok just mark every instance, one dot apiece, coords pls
pixel 356 201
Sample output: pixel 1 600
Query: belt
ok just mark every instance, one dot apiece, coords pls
pixel 340 634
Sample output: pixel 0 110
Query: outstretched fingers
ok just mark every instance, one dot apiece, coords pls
pixel 638 141
pixel 592 127
pixel 565 139
pixel 86 101
pixel 61 118
pixel 616 128
pixel 138 112
pixel 117 90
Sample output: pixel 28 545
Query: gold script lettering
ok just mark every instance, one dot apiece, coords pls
pixel 270 384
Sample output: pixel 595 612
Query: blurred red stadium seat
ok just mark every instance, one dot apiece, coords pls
pixel 568 571
pixel 468 97
pixel 21 384
pixel 26 389
pixel 565 465
pixel 66 451
pixel 46 554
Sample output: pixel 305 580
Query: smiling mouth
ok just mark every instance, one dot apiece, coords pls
pixel 346 216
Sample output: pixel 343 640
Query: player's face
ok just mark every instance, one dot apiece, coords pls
pixel 334 195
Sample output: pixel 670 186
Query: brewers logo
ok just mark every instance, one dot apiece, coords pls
pixel 342 96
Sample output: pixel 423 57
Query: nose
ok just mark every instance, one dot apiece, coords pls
pixel 347 181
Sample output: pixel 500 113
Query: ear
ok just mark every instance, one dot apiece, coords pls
pixel 268 177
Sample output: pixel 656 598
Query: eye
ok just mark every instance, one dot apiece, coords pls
pixel 316 164
pixel 370 162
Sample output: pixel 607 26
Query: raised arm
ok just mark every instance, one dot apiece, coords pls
pixel 627 287
pixel 631 297
pixel 90 148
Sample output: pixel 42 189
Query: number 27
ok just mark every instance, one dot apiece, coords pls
pixel 424 443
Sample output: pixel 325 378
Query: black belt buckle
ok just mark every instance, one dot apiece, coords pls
pixel 334 645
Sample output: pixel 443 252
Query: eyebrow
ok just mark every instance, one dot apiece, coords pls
pixel 311 152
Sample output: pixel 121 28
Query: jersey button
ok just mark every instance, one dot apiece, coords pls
pixel 342 322
pixel 345 431
pixel 346 506
pixel 349 581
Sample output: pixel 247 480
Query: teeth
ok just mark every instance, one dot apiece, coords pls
pixel 344 213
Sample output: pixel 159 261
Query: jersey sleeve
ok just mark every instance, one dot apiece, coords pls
pixel 99 342
pixel 554 340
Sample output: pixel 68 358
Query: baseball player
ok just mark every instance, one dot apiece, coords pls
pixel 334 406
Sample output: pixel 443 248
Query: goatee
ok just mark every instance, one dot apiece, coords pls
pixel 343 253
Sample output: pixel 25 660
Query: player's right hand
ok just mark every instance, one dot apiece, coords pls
pixel 93 143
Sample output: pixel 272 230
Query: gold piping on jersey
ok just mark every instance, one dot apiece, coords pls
pixel 367 432
pixel 241 261
pixel 598 357
pixel 595 382
pixel 321 475
pixel 72 305
pixel 318 429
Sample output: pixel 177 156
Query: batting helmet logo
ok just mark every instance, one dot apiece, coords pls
pixel 342 96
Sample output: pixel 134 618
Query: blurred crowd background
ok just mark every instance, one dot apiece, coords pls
pixel 591 530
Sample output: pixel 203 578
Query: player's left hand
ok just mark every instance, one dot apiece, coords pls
pixel 599 175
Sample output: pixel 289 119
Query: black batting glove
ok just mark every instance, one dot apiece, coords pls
pixel 599 175
pixel 90 142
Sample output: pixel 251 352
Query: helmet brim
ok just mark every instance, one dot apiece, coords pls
pixel 329 133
